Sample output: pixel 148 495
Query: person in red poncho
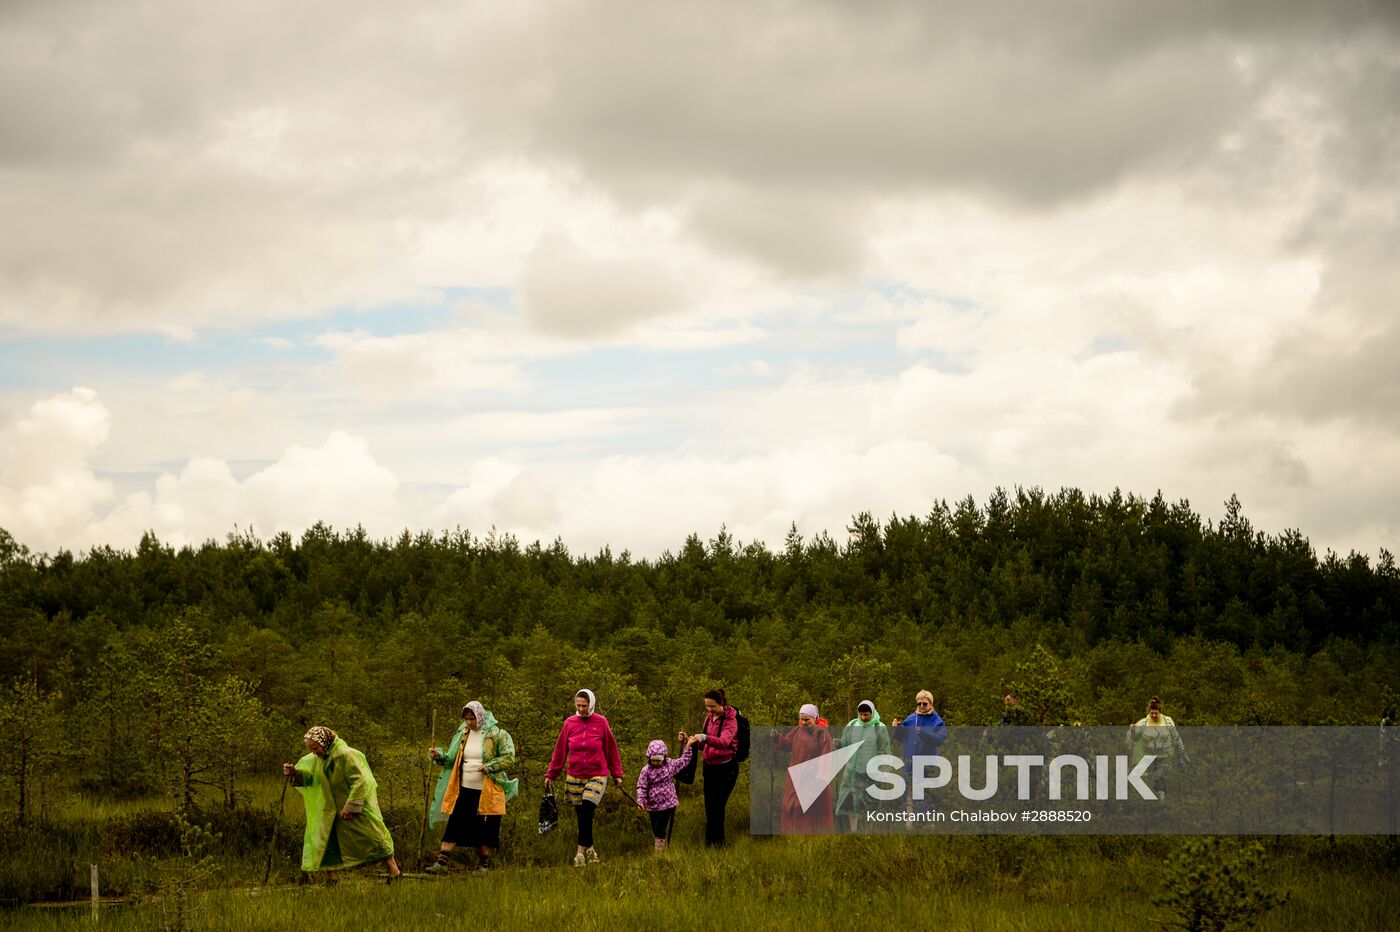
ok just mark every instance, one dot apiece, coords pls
pixel 810 739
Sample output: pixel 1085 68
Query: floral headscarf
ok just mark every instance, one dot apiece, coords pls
pixel 321 735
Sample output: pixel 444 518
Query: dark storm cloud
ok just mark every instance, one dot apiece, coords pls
pixel 131 160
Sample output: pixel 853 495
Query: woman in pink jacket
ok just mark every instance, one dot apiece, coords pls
pixel 586 742
pixel 719 742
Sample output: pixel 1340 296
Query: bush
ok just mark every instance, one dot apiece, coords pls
pixel 1213 886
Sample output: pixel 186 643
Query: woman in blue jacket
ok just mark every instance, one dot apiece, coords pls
pixel 925 736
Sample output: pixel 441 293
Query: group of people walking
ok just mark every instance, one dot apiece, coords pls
pixel 586 756
pixel 345 828
pixel 843 804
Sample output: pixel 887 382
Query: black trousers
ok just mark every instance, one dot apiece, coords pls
pixel 719 783
pixel 661 821
pixel 585 811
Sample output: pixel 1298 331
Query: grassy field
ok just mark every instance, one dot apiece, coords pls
pixel 757 883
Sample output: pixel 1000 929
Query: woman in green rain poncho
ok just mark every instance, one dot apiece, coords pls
pixel 473 788
pixel 874 738
pixel 343 824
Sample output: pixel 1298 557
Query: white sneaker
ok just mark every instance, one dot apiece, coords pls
pixel 578 860
pixel 592 856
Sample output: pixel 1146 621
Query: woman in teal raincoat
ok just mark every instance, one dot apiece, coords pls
pixel 473 788
pixel 344 827
pixel 869 732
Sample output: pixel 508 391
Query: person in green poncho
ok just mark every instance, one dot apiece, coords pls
pixel 869 732
pixel 473 789
pixel 343 825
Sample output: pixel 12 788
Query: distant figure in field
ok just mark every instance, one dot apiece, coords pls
pixel 343 825
pixel 586 753
pixel 870 734
pixel 720 749
pixel 925 736
pixel 809 740
pixel 473 788
pixel 1012 712
pixel 656 787
pixel 1156 734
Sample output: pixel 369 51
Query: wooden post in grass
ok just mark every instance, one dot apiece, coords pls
pixel 277 822
pixel 427 791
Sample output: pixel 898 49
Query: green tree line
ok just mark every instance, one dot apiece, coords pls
pixel 173 670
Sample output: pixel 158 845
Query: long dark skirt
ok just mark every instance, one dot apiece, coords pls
pixel 466 827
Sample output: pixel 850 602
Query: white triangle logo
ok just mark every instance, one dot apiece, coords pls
pixel 811 777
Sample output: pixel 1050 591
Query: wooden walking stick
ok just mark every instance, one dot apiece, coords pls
pixel 427 791
pixel 272 843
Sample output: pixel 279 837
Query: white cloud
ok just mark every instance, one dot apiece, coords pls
pixel 435 364
pixel 936 325
pixel 203 415
pixel 339 482
pixel 511 428
pixel 51 496
pixel 568 291
pixel 747 369
pixel 505 495
pixel 47 487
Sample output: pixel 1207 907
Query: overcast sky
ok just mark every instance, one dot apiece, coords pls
pixel 622 271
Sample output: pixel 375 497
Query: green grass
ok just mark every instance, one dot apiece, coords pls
pixel 991 882
pixel 960 883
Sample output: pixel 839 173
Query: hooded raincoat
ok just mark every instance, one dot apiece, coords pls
pixel 873 738
pixel 656 784
pixel 341 782
pixel 804 743
pixel 497 755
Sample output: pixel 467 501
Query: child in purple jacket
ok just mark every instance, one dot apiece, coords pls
pixel 656 787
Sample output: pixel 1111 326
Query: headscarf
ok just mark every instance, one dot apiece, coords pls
pixel 592 701
pixel 872 739
pixel 478 711
pixel 809 709
pixel 874 715
pixel 321 735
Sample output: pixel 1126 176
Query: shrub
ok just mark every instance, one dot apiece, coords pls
pixel 1213 886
